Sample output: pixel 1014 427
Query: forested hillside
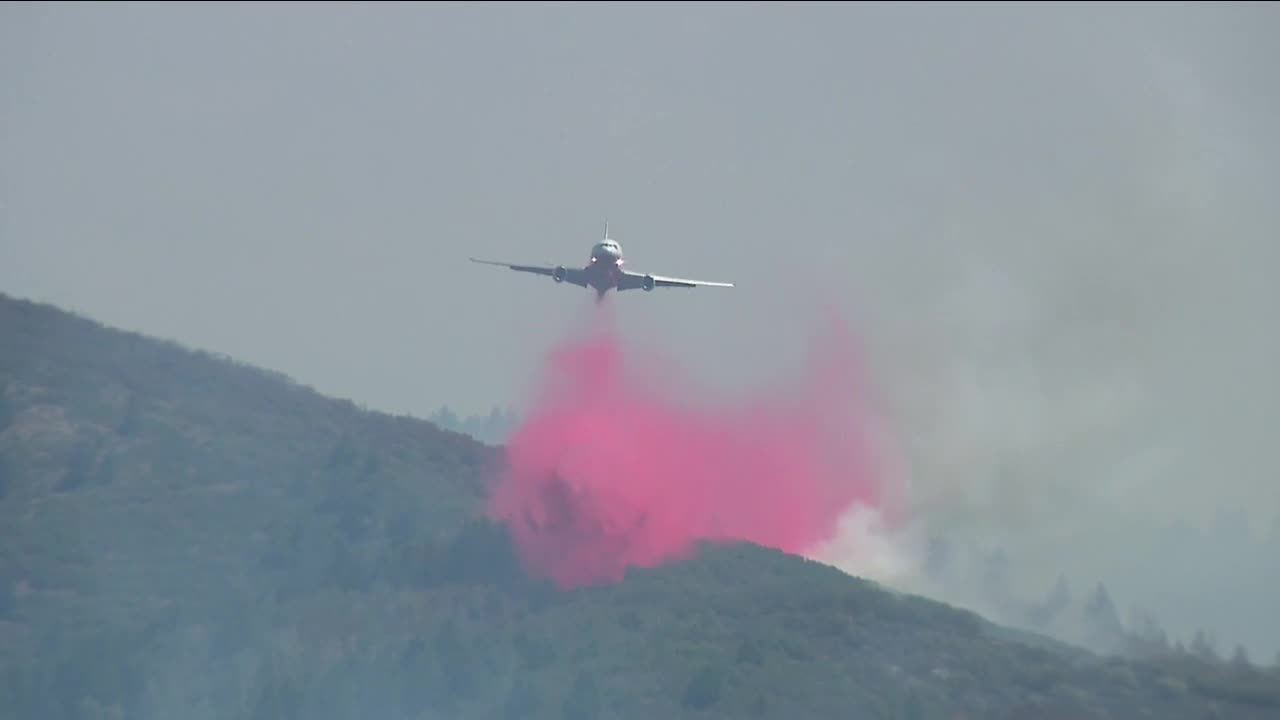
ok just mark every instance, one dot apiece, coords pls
pixel 185 536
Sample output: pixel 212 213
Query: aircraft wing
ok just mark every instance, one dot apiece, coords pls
pixel 570 275
pixel 632 281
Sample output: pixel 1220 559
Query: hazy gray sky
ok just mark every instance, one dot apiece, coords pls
pixel 1055 225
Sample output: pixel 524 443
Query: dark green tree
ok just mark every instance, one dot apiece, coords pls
pixel 704 688
pixel 1204 646
pixel 278 699
pixel 7 410
pixel 523 699
pixel 7 473
pixel 1240 658
pixel 131 419
pixel 80 465
pixel 8 603
pixel 583 699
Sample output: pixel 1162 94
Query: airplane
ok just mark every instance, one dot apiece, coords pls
pixel 604 272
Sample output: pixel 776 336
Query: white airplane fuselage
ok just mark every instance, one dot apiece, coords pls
pixel 605 266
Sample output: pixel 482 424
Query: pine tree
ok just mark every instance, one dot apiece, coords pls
pixel 1101 613
pixel 1203 646
pixel 1146 634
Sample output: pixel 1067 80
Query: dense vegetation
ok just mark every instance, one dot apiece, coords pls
pixel 184 536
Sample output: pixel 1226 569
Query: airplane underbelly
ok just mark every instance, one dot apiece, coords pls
pixel 604 278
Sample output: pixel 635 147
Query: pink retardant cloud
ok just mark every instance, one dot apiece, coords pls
pixel 614 467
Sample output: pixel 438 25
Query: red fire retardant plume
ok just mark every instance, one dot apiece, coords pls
pixel 613 468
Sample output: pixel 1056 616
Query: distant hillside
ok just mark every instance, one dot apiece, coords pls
pixel 185 536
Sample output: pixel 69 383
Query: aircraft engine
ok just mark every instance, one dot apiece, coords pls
pixel 559 273
pixel 648 283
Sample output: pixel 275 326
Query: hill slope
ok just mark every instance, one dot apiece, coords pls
pixel 187 536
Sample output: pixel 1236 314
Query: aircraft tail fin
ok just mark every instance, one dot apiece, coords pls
pixel 606 229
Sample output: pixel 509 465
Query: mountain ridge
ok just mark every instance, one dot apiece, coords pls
pixel 187 533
